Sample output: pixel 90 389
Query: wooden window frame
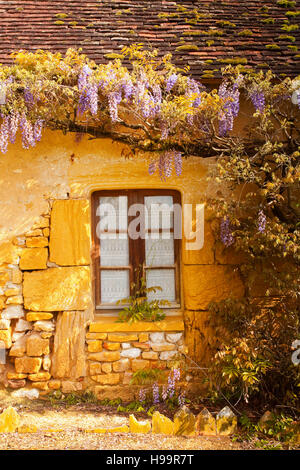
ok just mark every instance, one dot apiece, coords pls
pixel 136 247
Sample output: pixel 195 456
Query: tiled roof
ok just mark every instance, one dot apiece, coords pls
pixel 202 34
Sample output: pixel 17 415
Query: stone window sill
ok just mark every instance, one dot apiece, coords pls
pixel 109 324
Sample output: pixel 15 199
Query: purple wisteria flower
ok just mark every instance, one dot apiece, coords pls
pixel 152 168
pixel 171 386
pixel 27 133
pixel 113 106
pixel 231 98
pixel 37 130
pixel 155 392
pixel 165 164
pixel 4 135
pixel 164 129
pixel 171 82
pixel 177 162
pixel 88 99
pixel 226 232
pixel 127 87
pixel 258 99
pixel 193 88
pixel 28 97
pixel 13 127
pixel 181 399
pixel 164 393
pixel 142 395
pixel 261 221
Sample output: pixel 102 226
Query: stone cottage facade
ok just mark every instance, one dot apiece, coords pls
pixel 53 334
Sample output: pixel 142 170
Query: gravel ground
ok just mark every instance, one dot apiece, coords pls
pixel 65 428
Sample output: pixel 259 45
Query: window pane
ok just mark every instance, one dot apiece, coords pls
pixel 159 252
pixel 114 252
pixel 165 278
pixel 113 213
pixel 114 286
pixel 159 212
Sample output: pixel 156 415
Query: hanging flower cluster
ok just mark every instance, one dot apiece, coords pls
pixel 258 100
pixel 88 89
pixel 31 133
pixel 261 221
pixel 231 97
pixel 226 232
pixel 161 105
pixel 165 164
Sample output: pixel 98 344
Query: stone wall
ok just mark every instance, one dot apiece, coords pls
pixel 48 327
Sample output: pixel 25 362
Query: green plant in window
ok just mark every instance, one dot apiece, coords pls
pixel 140 308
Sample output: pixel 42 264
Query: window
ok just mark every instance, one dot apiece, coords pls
pixel 134 231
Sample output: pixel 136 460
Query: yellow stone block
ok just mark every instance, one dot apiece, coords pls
pixel 184 422
pixel 143 337
pixel 39 377
pixel 107 379
pixel 94 345
pixel 105 356
pixel 163 347
pixel 38 232
pixel 111 346
pixel 28 365
pixel 46 232
pixel 121 366
pixel 2 302
pixel 139 427
pixel 119 338
pixel 43 386
pixel 57 289
pixel 33 258
pixel 37 316
pixel 27 428
pixel 206 423
pixel 46 335
pixel 42 222
pixel 97 430
pixel 10 292
pixel 226 422
pixel 117 429
pixel 15 376
pixel 5 337
pixel 36 242
pixel 37 346
pixel 211 283
pixel 70 232
pixel 139 364
pixel 9 420
pixel 110 325
pixel 14 300
pixel 149 355
pixel 54 384
pixel 161 424
pixel 16 276
pixel 96 336
pixel 107 367
pixel 95 368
